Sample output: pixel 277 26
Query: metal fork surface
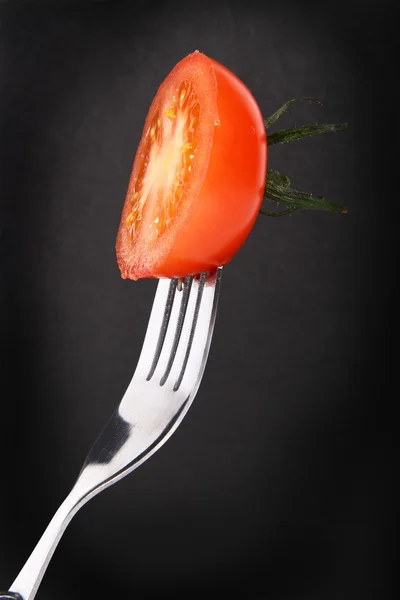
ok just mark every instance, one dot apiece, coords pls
pixel 164 384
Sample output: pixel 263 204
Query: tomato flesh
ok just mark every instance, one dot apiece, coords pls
pixel 198 177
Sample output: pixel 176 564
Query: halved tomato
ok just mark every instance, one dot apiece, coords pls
pixel 198 177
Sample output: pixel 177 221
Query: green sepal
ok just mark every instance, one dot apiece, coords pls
pixel 290 135
pixel 273 118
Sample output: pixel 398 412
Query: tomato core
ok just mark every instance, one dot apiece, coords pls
pixel 165 164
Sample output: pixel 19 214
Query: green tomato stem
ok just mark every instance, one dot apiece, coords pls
pixel 277 186
pixel 290 135
pixel 296 199
pixel 281 213
pixel 284 108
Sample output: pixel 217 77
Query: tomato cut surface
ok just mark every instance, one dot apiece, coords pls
pixel 198 177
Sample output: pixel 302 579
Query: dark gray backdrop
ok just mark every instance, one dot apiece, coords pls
pixel 277 483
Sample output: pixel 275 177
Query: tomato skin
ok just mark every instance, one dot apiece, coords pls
pixel 229 197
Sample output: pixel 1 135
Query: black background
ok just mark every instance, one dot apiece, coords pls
pixel 278 482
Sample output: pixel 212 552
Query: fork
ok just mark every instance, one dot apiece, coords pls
pixel 164 384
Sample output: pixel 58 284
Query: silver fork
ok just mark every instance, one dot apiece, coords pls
pixel 166 379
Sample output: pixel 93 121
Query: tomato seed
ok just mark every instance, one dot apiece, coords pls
pixel 186 147
pixel 170 112
pixel 182 97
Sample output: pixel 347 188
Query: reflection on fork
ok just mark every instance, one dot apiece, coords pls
pixel 165 382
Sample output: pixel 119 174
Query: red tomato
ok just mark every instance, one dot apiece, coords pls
pixel 198 177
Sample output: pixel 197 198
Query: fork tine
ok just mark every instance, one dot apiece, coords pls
pixel 187 285
pixel 157 327
pixel 164 324
pixel 187 340
pixel 192 350
pixel 196 354
pixel 183 348
pixel 174 329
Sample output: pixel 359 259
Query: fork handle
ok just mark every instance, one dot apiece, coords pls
pixel 10 596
